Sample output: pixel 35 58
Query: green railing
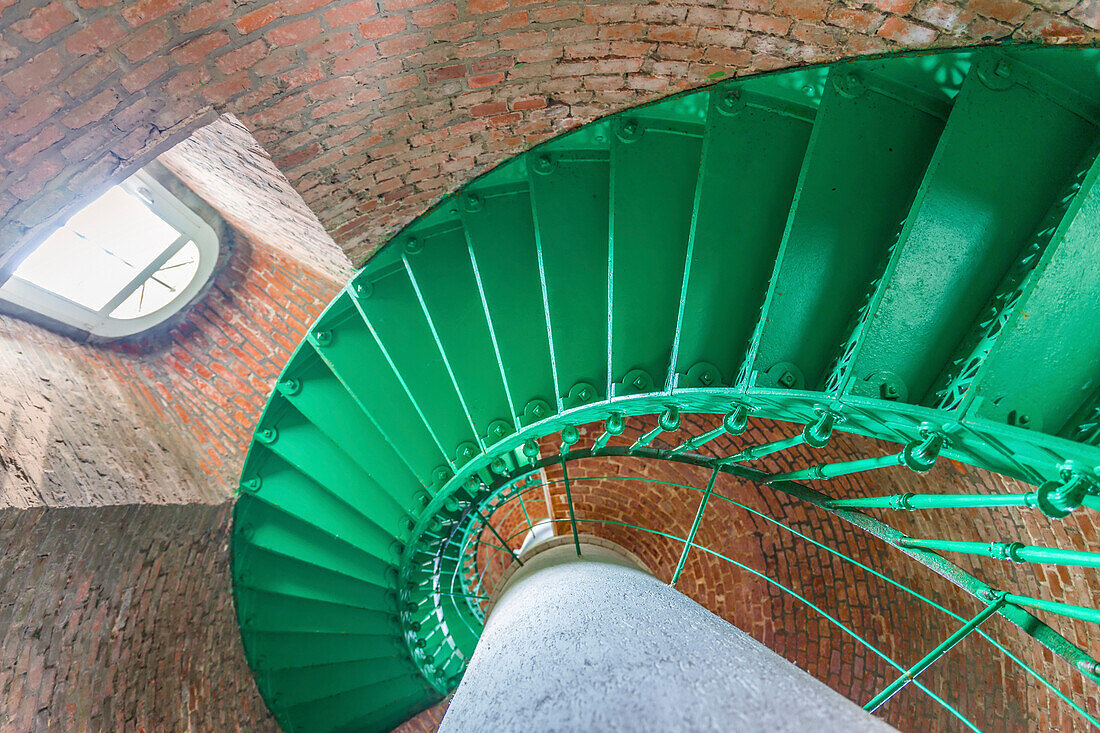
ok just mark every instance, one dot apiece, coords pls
pixel 475 534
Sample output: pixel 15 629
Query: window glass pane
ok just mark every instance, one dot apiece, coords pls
pixel 164 286
pixel 99 250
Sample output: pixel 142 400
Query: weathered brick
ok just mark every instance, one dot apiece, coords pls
pixel 905 32
pixel 258 18
pixel 292 33
pixel 349 13
pixel 242 58
pixel 382 27
pixel 44 21
pixel 1006 11
pixel 32 113
pixel 92 110
pixel 204 15
pixel 144 44
pixel 144 75
pixel 200 48
pixel 143 11
pixel 28 78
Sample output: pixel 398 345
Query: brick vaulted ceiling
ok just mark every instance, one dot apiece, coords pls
pixel 375 108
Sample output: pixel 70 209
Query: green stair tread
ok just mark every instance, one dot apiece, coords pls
pixel 445 280
pixel 570 205
pixel 303 651
pixel 275 612
pixel 294 493
pixel 326 403
pixel 501 235
pixel 397 318
pixel 1030 369
pixel 854 192
pixel 281 574
pixel 339 709
pixel 302 445
pixel 750 163
pixel 654 176
pixel 281 533
pixel 1002 160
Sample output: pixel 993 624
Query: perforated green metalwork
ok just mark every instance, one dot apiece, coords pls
pixel 901 247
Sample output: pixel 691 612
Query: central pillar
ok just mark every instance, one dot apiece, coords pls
pixel 596 643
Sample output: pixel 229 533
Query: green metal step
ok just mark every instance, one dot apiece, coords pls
pixel 900 247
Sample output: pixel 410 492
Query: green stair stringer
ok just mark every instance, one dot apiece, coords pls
pixel 905 244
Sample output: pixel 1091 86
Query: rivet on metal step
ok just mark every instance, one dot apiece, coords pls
pixel 321 338
pixel 497 430
pixel 849 84
pixel 535 410
pixel 267 436
pixel 785 375
pixel 290 386
pixel 472 203
pixel 996 73
pixel 251 485
pixel 412 246
pixel 465 451
pixel 629 131
pixel 543 165
pixel 364 289
pixel 579 394
pixel 730 102
pixel 634 382
pixel 440 474
pixel 704 375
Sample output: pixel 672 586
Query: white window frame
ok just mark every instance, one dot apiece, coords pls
pixel 99 323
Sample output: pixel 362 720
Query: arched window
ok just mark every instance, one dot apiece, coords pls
pixel 124 263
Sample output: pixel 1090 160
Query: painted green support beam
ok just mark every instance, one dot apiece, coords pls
pixel 496 534
pixel 695 526
pixel 1040 499
pixel 1062 609
pixel 1015 551
pixel 765 449
pixel 911 674
pixel 572 512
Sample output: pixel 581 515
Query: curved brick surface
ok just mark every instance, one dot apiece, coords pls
pixel 121 619
pixel 375 109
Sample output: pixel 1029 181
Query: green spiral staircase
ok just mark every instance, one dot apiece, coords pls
pixel 902 247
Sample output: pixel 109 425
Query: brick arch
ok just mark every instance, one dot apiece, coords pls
pixel 374 109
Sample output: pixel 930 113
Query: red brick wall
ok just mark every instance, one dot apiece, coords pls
pixel 165 417
pixel 72 433
pixel 374 109
pixel 979 680
pixel 225 165
pixel 121 619
pixel 207 379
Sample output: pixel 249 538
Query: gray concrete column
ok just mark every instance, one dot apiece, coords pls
pixel 598 644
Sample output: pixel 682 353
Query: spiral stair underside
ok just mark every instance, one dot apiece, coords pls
pixel 903 247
